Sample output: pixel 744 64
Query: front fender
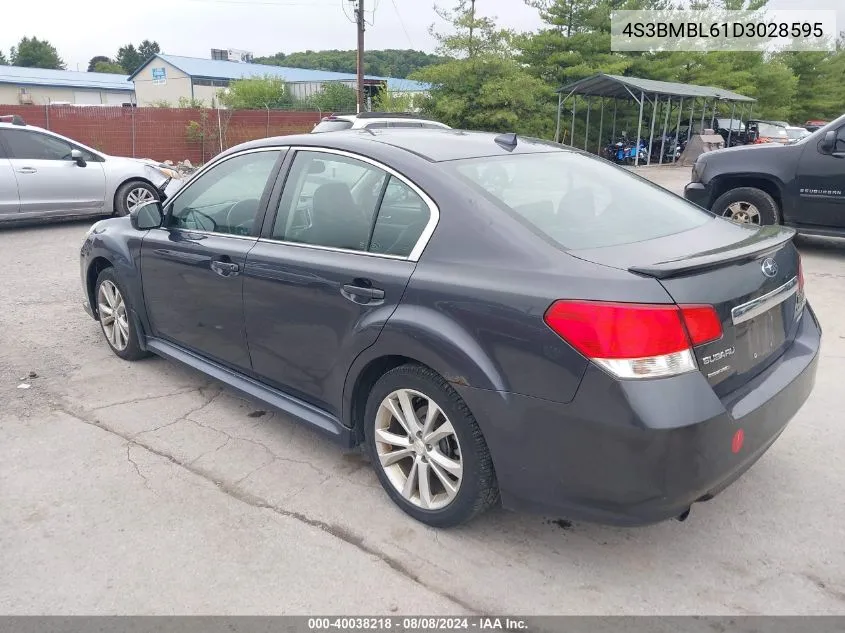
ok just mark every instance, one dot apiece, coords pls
pixel 116 242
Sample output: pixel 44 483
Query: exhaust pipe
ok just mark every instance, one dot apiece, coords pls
pixel 683 515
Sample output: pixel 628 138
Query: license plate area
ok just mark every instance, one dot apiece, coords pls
pixel 759 338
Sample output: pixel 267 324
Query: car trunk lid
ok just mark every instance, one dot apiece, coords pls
pixel 749 274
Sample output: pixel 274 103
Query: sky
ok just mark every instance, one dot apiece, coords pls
pixel 82 29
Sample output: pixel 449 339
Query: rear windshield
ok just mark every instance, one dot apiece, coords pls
pixel 332 126
pixel 577 201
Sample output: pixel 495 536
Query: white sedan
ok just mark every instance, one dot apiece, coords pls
pixel 44 175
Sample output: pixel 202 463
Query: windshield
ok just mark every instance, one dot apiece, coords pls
pixel 797 132
pixel 332 126
pixel 769 130
pixel 577 201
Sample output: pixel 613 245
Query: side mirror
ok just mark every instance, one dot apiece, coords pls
pixel 828 142
pixel 147 216
pixel 77 157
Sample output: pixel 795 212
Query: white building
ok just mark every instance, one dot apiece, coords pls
pixel 39 86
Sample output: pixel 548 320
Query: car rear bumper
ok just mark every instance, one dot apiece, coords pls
pixel 639 452
pixel 697 193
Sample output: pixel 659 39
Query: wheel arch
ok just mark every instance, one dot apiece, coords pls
pixel 95 267
pixel 770 184
pixel 424 337
pixel 126 181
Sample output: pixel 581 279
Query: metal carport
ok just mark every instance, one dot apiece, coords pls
pixel 639 91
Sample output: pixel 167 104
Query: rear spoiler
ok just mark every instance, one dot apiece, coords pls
pixel 765 240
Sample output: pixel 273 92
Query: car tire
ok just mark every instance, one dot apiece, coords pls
pixel 746 202
pixel 130 192
pixel 115 319
pixel 457 453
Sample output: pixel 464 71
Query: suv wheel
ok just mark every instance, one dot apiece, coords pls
pixel 747 205
pixel 427 449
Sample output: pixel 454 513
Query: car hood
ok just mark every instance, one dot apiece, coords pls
pixel 762 147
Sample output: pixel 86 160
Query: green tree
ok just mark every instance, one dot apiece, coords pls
pixel 109 67
pixel 820 92
pixel 388 101
pixel 35 53
pixel 265 92
pixel 3 61
pixel 96 60
pixel 384 63
pixel 147 49
pixel 483 86
pixel 334 97
pixel 129 58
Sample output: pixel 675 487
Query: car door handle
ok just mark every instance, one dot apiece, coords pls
pixel 225 269
pixel 27 170
pixel 357 293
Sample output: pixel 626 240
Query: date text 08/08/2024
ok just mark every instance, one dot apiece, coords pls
pixel 417 623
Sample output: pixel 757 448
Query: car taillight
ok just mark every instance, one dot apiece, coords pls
pixel 632 340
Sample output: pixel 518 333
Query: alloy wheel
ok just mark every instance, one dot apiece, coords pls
pixel 138 196
pixel 113 317
pixel 418 449
pixel 742 212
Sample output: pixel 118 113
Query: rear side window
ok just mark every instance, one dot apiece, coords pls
pixel 577 201
pixel 402 217
pixel 332 126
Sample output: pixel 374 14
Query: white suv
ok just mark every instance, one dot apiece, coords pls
pixel 374 120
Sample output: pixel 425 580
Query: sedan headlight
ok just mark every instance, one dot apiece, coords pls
pixel 167 172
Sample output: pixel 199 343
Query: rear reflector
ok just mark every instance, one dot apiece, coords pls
pixel 634 340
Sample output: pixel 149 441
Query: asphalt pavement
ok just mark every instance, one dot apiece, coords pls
pixel 146 488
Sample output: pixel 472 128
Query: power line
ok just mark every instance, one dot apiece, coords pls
pixel 402 22
pixel 266 3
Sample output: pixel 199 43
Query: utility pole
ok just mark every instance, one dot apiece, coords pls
pixel 471 25
pixel 361 27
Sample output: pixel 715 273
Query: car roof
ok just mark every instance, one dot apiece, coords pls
pixel 435 145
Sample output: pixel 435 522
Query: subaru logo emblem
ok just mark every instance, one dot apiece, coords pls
pixel 770 267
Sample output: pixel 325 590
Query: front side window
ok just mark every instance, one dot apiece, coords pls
pixel 226 198
pixel 579 202
pixel 27 145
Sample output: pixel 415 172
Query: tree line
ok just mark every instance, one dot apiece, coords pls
pixel 382 63
pixel 31 52
pixel 497 79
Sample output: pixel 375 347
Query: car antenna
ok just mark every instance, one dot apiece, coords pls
pixel 508 141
